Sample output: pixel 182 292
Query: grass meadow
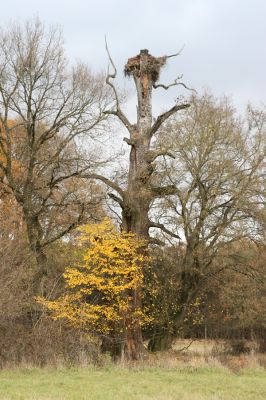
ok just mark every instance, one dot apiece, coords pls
pixel 193 374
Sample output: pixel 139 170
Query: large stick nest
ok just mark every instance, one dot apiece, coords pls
pixel 144 63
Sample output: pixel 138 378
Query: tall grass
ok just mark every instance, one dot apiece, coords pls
pixel 203 371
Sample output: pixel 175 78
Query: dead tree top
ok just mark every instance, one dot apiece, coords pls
pixel 145 63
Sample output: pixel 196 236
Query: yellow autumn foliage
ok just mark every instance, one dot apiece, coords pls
pixel 99 293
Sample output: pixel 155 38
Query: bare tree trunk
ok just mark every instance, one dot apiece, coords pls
pixel 34 233
pixel 138 194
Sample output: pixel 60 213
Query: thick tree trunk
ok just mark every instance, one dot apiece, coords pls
pixel 133 347
pixel 34 233
pixel 138 195
pixel 136 199
pixel 161 340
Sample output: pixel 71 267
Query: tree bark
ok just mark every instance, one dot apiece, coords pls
pixel 139 193
pixel 161 340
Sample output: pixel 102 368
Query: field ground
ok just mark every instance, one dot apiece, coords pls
pixel 193 374
pixel 132 384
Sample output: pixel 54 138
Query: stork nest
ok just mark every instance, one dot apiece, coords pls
pixel 145 63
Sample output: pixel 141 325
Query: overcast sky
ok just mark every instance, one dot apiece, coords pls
pixel 225 40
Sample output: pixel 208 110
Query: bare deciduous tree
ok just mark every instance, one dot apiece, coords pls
pixel 217 171
pixel 45 106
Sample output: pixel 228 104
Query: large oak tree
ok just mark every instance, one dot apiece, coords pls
pixel 45 107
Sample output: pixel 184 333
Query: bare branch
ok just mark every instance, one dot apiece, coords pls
pixel 164 229
pixel 164 191
pixel 77 173
pixel 116 199
pixel 175 83
pixel 152 155
pixel 176 54
pixel 111 61
pixel 72 226
pixel 118 112
pixel 156 241
pixel 163 117
pixel 107 181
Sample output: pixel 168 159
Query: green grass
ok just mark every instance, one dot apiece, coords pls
pixel 137 383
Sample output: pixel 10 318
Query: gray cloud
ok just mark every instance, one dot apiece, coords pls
pixel 224 40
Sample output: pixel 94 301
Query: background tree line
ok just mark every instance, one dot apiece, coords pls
pixel 193 191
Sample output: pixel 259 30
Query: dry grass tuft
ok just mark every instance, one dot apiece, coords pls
pixel 201 354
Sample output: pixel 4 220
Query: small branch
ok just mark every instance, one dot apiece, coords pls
pixel 166 87
pixel 116 199
pixel 176 54
pixel 164 190
pixel 163 117
pixel 164 229
pixel 107 181
pixel 77 173
pixel 67 230
pixel 114 211
pixel 152 155
pixel 175 83
pixel 156 241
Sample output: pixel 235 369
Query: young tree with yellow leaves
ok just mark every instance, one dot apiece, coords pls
pixel 100 294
